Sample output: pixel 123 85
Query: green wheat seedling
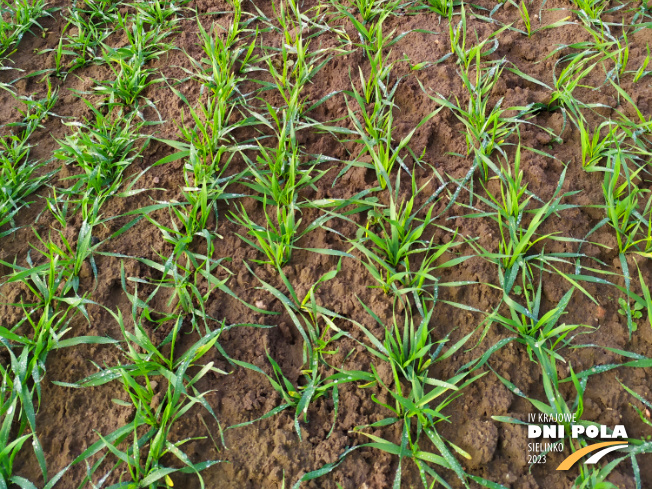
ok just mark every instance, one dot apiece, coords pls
pixel 164 14
pixel 19 179
pixel 375 44
pixel 555 404
pixel 130 81
pixel 568 73
pixel 206 134
pixel 297 66
pixel 12 443
pixel 318 331
pixel 645 243
pixel 226 58
pixel 517 235
pixel 190 278
pixel 378 82
pixel 467 55
pixel 64 259
pixel 88 14
pixel 28 344
pixel 72 253
pixel 313 21
pixel 527 21
pixel 211 121
pixel 443 7
pixel 409 350
pixel 131 78
pixel 591 477
pixel 300 397
pixel 19 176
pixel 99 12
pixel 373 127
pixel 642 69
pixel 642 445
pixel 190 216
pixel 619 55
pixel 46 318
pixel 615 48
pixel 146 366
pixel 201 194
pixel 419 401
pixel 514 195
pixel 278 175
pixel 525 17
pixel 637 131
pixel 641 12
pixel 538 330
pixel 291 395
pixel 591 11
pixel 88 27
pixel 370 34
pixel 622 197
pixel 486 130
pixel 49 282
pixel 369 10
pixel 188 219
pixel 102 148
pixel 65 202
pixel 596 147
pixel 143 44
pixel 393 235
pixel 276 238
pixel 35 112
pixel 18 17
pixel 85 36
pixel 569 79
pixel 212 117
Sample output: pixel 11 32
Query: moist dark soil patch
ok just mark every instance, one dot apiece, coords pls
pixel 268 452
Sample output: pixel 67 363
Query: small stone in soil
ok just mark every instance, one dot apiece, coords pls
pixel 157 179
pixel 85 271
pixel 600 312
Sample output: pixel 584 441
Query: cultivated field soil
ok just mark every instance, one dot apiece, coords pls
pixel 242 412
